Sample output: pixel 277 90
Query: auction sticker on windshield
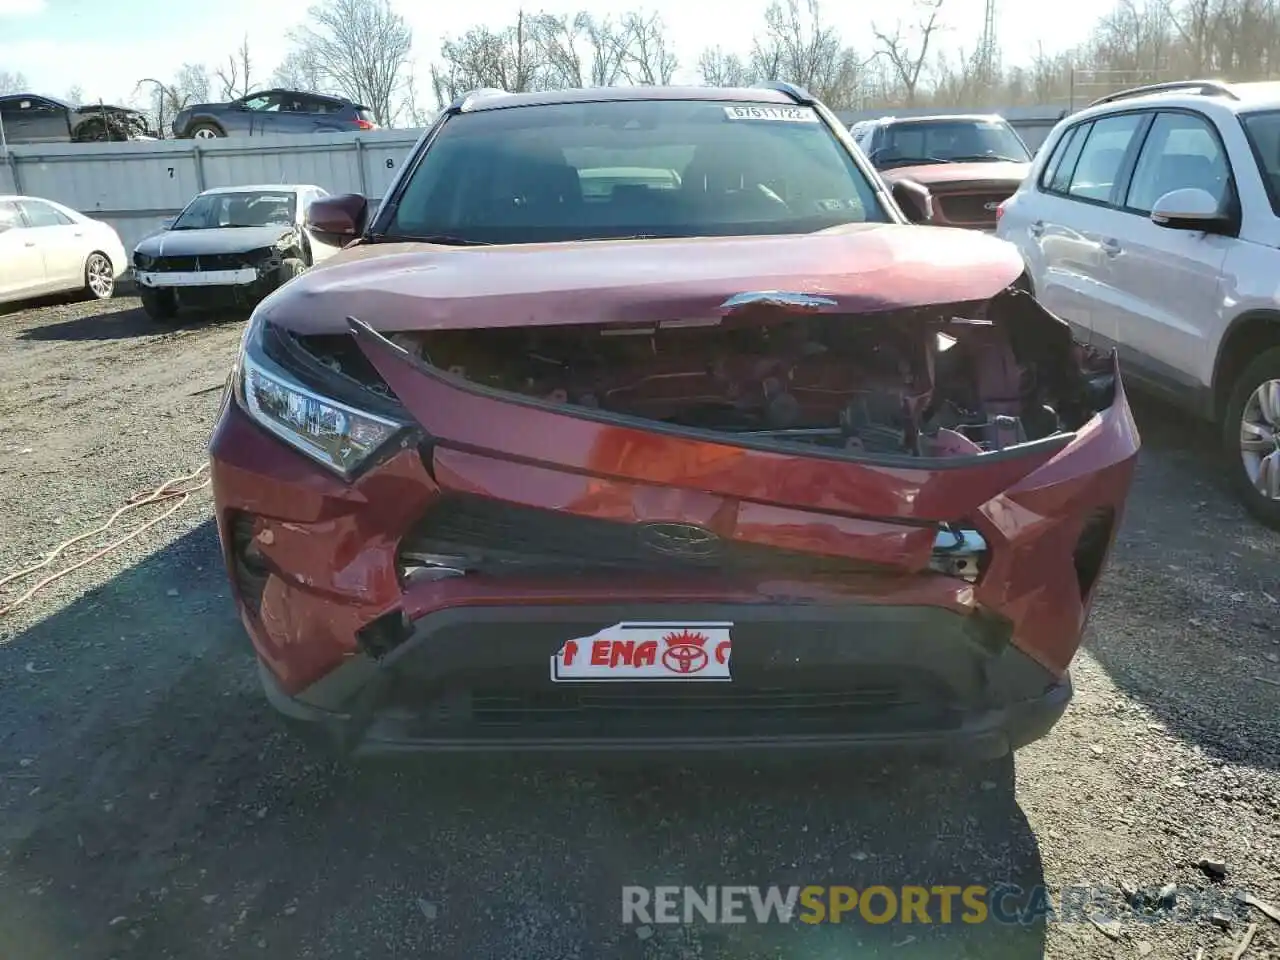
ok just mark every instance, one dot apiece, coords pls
pixel 640 650
pixel 785 114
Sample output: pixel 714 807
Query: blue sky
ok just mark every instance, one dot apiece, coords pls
pixel 106 48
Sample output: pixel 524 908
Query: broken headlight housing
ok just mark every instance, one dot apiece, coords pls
pixel 337 435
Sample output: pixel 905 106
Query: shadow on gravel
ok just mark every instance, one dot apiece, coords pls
pixel 125 325
pixel 1188 615
pixel 150 806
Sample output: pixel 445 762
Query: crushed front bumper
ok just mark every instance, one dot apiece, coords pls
pixel 843 639
pixel 856 678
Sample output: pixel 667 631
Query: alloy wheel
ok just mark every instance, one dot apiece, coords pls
pixel 101 282
pixel 204 133
pixel 1260 438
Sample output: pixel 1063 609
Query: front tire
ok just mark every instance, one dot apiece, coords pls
pixel 1251 437
pixel 99 277
pixel 160 305
pixel 205 131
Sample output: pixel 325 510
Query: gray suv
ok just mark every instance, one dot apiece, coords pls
pixel 272 112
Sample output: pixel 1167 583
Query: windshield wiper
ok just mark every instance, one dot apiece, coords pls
pixel 986 156
pixel 908 160
pixel 443 239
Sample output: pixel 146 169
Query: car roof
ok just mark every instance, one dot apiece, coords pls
pixel 1232 97
pixel 937 117
pixel 39 96
pixel 297 93
pixel 263 188
pixel 482 100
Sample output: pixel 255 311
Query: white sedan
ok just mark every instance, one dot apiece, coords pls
pixel 48 248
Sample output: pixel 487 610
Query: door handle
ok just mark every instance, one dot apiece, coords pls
pixel 78 233
pixel 1110 247
pixel 28 243
pixel 1036 228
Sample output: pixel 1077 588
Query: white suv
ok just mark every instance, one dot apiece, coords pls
pixel 1151 222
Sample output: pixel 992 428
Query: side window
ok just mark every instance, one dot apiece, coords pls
pixel 1103 155
pixel 1062 176
pixel 42 215
pixel 1060 151
pixel 1182 150
pixel 263 101
pixel 10 218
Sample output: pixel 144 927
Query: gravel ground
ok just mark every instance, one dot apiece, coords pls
pixel 151 807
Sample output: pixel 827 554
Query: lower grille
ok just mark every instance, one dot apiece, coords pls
pixel 215 261
pixel 971 207
pixel 815 704
pixel 492 537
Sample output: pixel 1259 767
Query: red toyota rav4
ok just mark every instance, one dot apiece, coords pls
pixel 641 419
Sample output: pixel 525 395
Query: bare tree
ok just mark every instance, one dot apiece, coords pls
pixel 902 52
pixel 643 53
pixel 12 82
pixel 75 94
pixel 579 50
pixel 719 68
pixel 799 47
pixel 236 77
pixel 297 71
pixel 191 85
pixel 361 48
pixel 509 59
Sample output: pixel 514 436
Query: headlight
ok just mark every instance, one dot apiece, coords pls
pixel 335 434
pixel 143 262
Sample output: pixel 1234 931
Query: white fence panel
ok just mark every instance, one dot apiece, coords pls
pixel 136 186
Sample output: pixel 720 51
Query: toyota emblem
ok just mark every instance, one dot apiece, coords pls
pixel 680 540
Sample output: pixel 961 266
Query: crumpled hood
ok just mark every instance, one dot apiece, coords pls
pixel 195 243
pixel 859 268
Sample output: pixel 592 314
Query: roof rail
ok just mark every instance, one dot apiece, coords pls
pixel 1205 88
pixel 796 93
pixel 465 100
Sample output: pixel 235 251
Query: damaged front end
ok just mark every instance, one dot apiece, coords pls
pixel 218 280
pixel 910 386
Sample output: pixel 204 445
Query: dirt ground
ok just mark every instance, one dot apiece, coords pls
pixel 150 805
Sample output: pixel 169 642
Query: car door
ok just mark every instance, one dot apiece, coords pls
pixel 21 265
pixel 1070 231
pixel 1166 282
pixel 35 120
pixel 61 242
pixel 264 113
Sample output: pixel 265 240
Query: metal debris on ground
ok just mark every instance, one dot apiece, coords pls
pixel 1244 942
pixel 1260 905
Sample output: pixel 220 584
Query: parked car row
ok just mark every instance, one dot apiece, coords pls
pixel 30 118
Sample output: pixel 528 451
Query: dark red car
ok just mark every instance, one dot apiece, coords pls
pixel 640 419
pixel 948 171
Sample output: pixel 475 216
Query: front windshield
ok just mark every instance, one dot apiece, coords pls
pixel 670 168
pixel 212 211
pixel 948 141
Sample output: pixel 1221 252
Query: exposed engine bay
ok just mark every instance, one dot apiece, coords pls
pixel 937 381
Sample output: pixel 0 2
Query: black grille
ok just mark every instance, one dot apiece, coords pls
pixel 496 537
pixel 971 207
pixel 213 261
pixel 825 702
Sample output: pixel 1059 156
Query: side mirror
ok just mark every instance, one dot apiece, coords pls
pixel 1188 209
pixel 914 200
pixel 338 219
